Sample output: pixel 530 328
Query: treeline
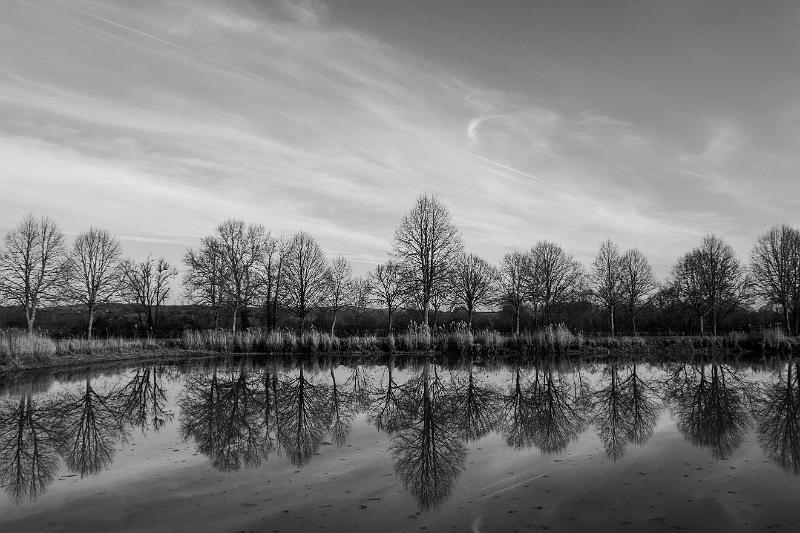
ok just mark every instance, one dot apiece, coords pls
pixel 243 276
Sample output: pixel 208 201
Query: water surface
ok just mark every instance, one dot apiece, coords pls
pixel 238 444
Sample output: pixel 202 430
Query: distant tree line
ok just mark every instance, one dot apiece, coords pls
pixel 243 276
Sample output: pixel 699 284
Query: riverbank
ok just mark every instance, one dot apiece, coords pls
pixel 20 351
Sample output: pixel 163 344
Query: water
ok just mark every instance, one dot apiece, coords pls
pixel 245 445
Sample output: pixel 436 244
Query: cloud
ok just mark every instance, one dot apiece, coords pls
pixel 162 120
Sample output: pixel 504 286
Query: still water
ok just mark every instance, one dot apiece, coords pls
pixel 237 444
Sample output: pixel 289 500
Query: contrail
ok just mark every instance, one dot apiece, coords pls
pixel 501 165
pixel 93 29
pixel 177 46
pixel 150 36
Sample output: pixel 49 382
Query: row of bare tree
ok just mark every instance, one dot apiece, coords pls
pixel 38 268
pixel 429 271
pixel 243 266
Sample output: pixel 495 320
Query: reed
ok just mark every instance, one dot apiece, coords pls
pixel 18 348
pixel 775 339
pixel 82 345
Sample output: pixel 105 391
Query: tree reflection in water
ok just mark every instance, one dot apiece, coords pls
pixel 341 411
pixel 223 413
pixel 559 408
pixel 710 404
pixel 360 387
pixel 142 400
pixel 625 410
pixel 238 416
pixel 92 425
pixel 474 405
pixel 545 411
pixel 302 417
pixel 385 413
pixel 517 422
pixel 30 434
pixel 778 415
pixel 428 453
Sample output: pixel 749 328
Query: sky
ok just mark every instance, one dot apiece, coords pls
pixel 650 123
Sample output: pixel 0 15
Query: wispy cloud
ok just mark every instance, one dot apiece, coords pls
pixel 159 120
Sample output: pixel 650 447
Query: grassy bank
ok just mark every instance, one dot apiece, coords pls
pixel 554 339
pixel 20 350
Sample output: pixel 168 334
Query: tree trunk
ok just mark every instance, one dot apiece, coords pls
pixel 333 324
pixel 469 318
pixel 796 322
pixel 611 318
pixel 633 323
pixel 516 321
pixel 714 321
pixel 786 319
pixel 390 320
pixel 268 308
pixel 91 321
pixel 425 306
pixel 235 313
pixel 702 330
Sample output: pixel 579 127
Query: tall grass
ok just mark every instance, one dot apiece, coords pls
pixel 82 345
pixel 775 339
pixel 18 348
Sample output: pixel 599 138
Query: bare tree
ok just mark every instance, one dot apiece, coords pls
pixel 92 270
pixel 242 247
pixel 205 275
pixel 441 299
pixel 513 281
pixel 723 276
pixel 31 265
pixel 473 283
pixel 146 285
pixel 607 279
pixel 306 269
pixel 427 243
pixel 687 285
pixel 386 283
pixel 275 262
pixel 775 267
pixel 360 296
pixel 710 280
pixel 638 282
pixel 272 266
pixel 339 280
pixel 556 276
